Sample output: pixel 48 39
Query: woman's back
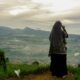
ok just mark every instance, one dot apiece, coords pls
pixel 57 44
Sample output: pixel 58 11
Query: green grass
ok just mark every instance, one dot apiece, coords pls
pixel 75 71
pixel 32 69
pixel 25 69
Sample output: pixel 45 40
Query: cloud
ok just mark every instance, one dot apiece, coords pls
pixel 20 13
pixel 19 10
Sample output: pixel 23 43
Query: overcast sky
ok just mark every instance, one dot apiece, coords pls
pixel 39 13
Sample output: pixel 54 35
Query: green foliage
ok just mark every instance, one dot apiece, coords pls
pixel 25 69
pixel 1 52
pixel 2 60
pixel 33 69
pixel 75 71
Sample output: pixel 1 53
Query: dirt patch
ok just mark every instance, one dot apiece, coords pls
pixel 43 76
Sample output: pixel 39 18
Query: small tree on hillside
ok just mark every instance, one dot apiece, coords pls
pixel 2 60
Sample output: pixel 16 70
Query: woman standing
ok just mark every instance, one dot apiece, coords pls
pixel 58 49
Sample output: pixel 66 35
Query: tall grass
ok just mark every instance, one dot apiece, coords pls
pixel 32 69
pixel 25 69
pixel 75 71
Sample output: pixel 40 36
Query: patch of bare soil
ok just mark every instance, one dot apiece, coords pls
pixel 43 76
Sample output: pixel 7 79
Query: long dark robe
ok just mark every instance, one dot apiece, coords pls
pixel 58 65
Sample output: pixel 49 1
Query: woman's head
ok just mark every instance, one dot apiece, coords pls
pixel 57 25
pixel 56 33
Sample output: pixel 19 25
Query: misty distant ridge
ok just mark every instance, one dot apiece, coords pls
pixel 24 29
pixel 28 31
pixel 29 45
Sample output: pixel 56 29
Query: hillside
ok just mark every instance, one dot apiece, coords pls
pixel 27 45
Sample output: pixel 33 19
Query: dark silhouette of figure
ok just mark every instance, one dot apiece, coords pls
pixel 3 61
pixel 58 49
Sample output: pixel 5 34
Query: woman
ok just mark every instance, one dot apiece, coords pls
pixel 57 51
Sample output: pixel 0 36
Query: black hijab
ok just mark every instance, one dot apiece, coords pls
pixel 55 38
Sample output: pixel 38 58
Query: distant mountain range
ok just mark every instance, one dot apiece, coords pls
pixel 33 44
pixel 4 31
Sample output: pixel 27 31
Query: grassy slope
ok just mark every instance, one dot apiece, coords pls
pixel 75 71
pixel 25 69
pixel 32 69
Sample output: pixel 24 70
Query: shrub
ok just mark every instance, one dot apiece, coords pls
pixel 2 60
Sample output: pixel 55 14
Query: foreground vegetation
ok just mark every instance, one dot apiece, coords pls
pixel 24 68
pixel 32 69
pixel 75 71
